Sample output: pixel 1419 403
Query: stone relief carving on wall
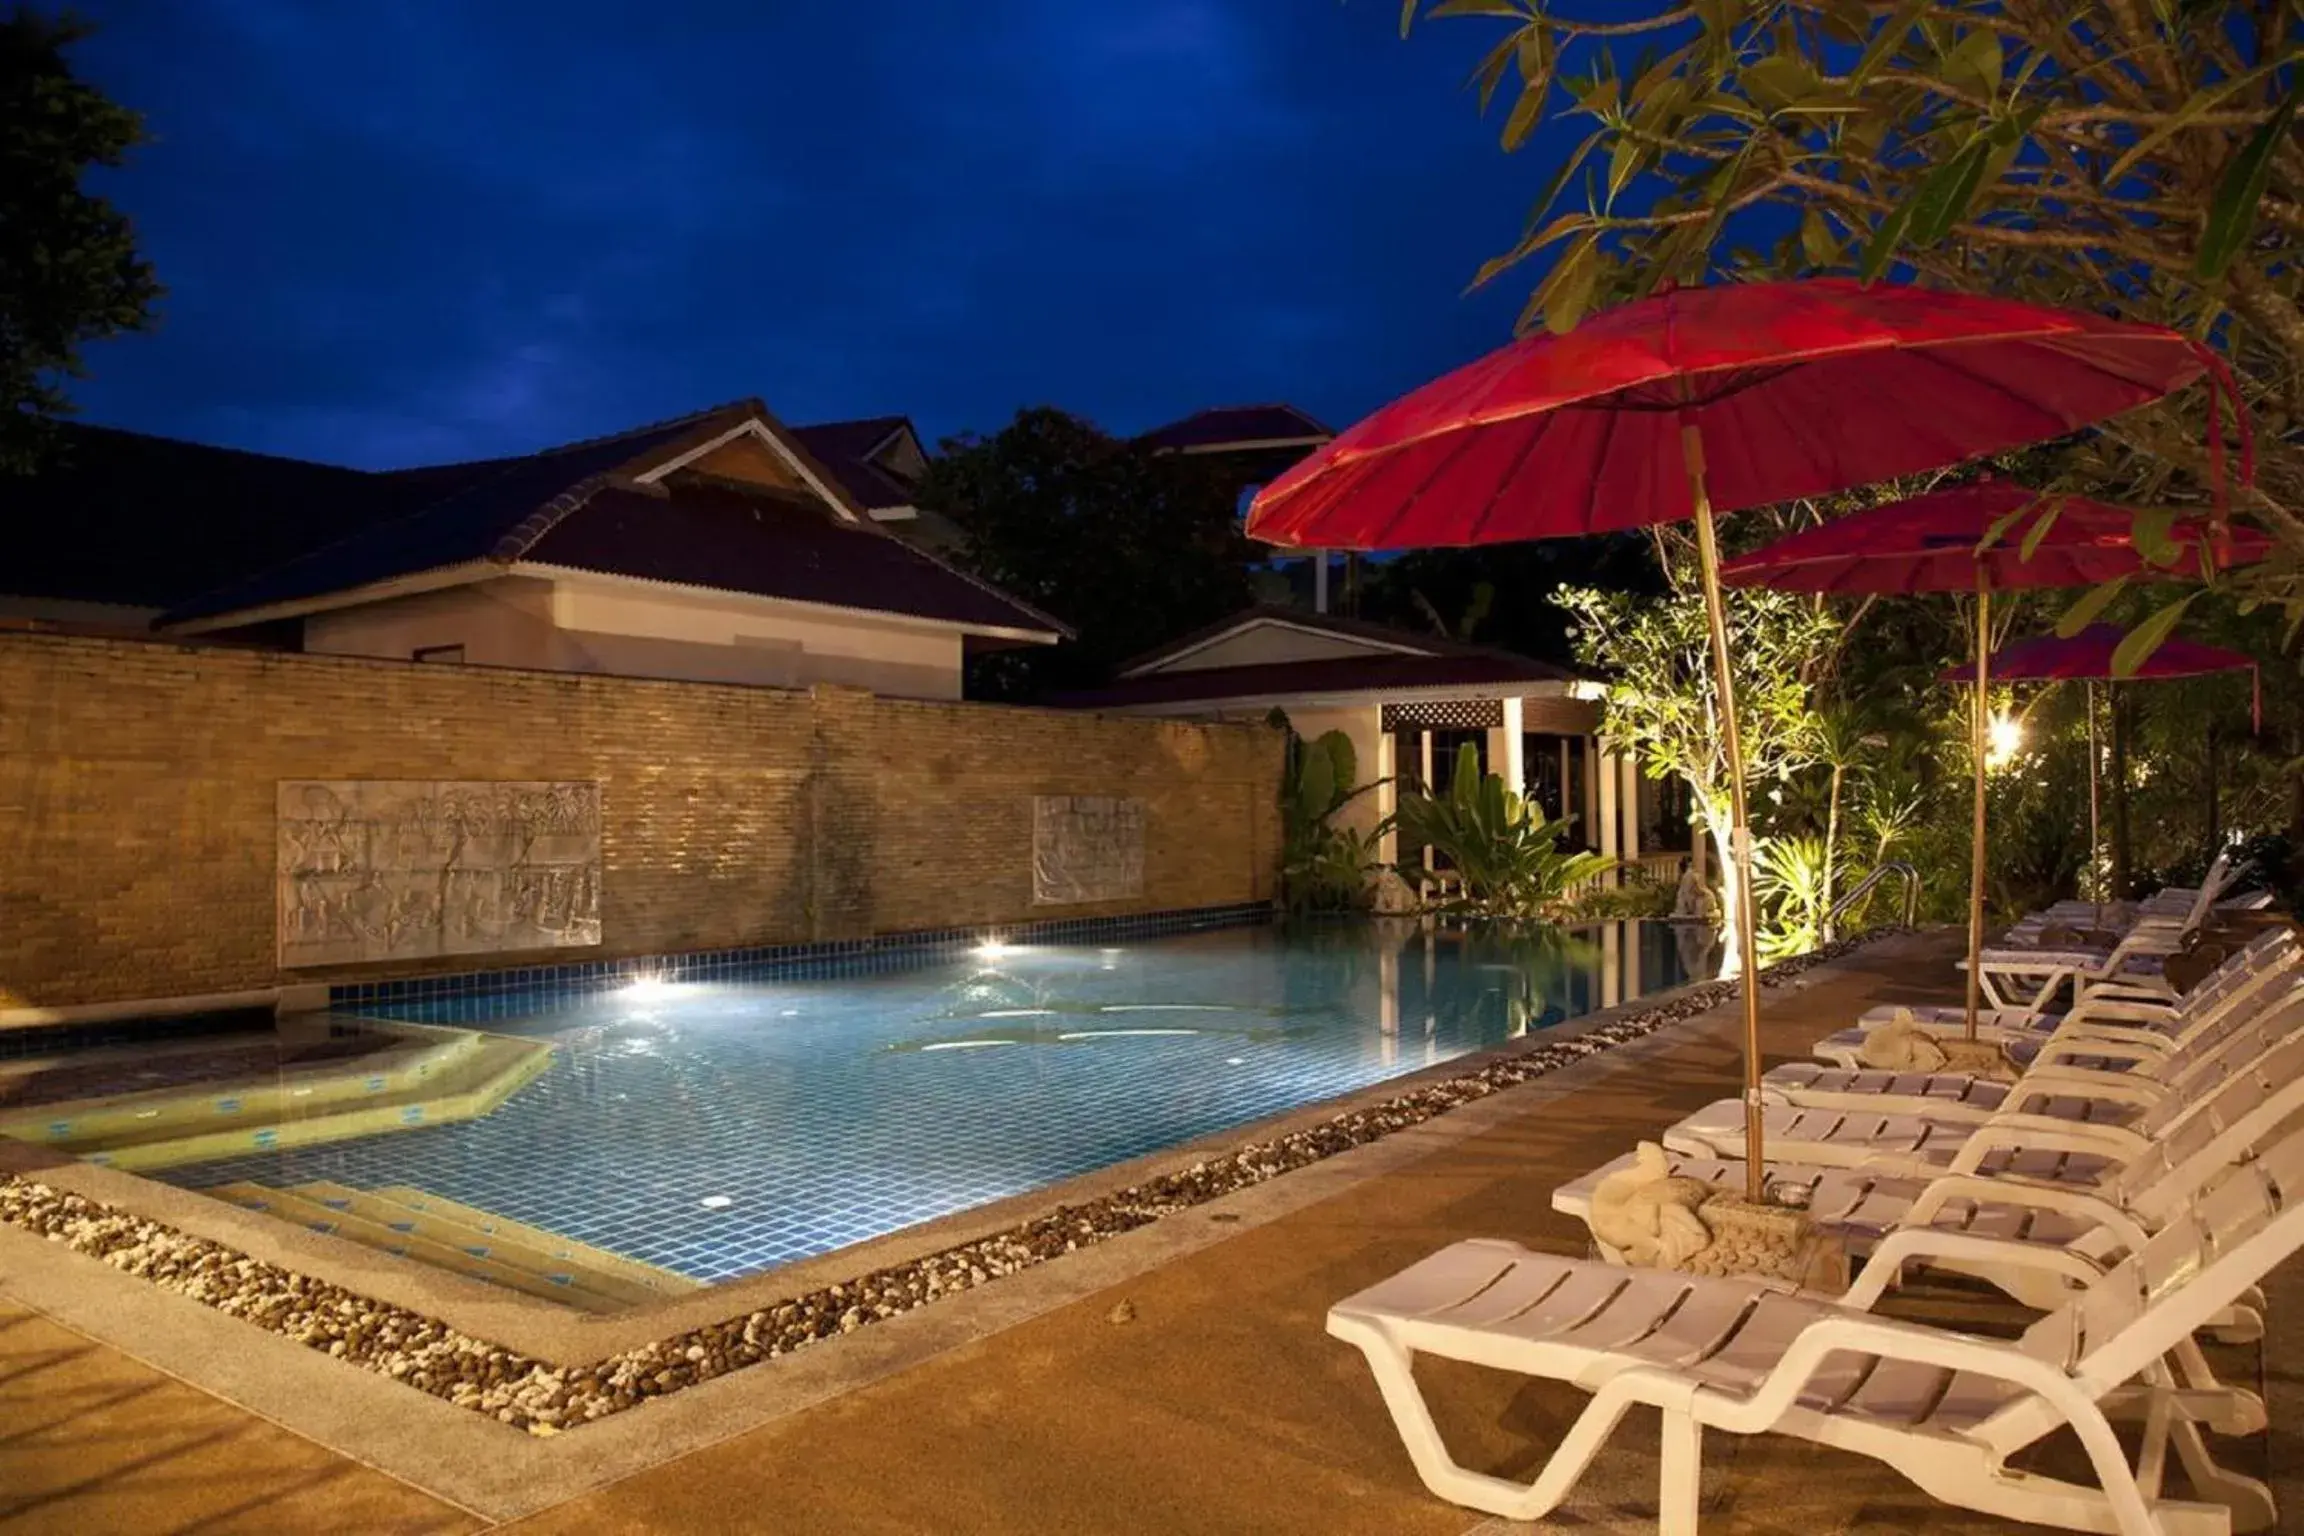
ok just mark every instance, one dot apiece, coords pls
pixel 400 869
pixel 1086 848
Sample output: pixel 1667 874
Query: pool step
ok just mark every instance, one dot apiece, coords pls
pixel 471 1078
pixel 413 1225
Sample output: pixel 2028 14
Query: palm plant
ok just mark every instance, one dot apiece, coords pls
pixel 1792 877
pixel 1506 854
pixel 1323 866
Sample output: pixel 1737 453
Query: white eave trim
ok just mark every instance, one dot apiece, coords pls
pixel 903 514
pixel 1361 698
pixel 579 576
pixel 1255 445
pixel 433 580
pixel 753 426
pixel 1167 663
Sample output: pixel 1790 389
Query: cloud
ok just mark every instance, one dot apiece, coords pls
pixel 439 230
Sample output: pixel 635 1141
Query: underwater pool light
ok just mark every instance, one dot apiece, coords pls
pixel 994 948
pixel 646 988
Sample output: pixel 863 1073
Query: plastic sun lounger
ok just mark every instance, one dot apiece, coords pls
pixel 2020 1033
pixel 2050 1110
pixel 1944 1409
pixel 2137 1041
pixel 2211 894
pixel 2024 979
pixel 2058 1218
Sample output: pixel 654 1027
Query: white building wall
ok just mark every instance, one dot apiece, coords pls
pixel 569 627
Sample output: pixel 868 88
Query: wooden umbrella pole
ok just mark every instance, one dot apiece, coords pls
pixel 1739 824
pixel 1982 732
pixel 2095 821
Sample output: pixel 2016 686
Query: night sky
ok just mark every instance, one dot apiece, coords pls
pixel 413 232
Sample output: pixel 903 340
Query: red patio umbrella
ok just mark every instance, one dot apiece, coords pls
pixel 1982 536
pixel 2087 658
pixel 1732 396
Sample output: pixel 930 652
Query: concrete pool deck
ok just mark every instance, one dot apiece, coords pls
pixel 1217 1405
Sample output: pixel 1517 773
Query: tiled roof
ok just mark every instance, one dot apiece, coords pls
pixel 771 545
pixel 1236 426
pixel 1348 674
pixel 845 447
pixel 148 522
pixel 575 506
pixel 489 510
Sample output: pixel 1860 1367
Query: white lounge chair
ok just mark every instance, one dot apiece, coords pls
pixel 1944 1409
pixel 2059 1222
pixel 2093 1045
pixel 2024 978
pixel 2052 1108
pixel 2020 1034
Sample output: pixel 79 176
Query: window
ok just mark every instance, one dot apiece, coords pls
pixel 451 654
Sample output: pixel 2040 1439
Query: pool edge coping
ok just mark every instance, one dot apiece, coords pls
pixel 499 1472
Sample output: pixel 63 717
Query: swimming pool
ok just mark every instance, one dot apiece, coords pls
pixel 720 1129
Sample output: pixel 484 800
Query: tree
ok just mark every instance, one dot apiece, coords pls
pixel 1663 703
pixel 1130 547
pixel 1441 590
pixel 2139 160
pixel 69 272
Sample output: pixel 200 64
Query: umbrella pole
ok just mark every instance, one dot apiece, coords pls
pixel 1982 734
pixel 2095 822
pixel 1739 825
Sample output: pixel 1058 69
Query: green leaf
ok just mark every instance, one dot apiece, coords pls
pixel 1624 158
pixel 1490 72
pixel 1886 40
pixel 1561 227
pixel 1975 61
pixel 1942 199
pixel 1778 81
pixel 1848 21
pixel 2202 102
pixel 2134 650
pixel 2050 506
pixel 2090 603
pixel 1818 246
pixel 2232 216
pixel 1408 16
pixel 1535 90
pixel 1567 293
pixel 2149 530
pixel 2000 526
pixel 1885 240
pixel 1476 8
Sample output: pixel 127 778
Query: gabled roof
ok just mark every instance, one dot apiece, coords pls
pixel 487 510
pixel 622 506
pixel 853 450
pixel 1338 677
pixel 1238 428
pixel 766 544
pixel 1376 639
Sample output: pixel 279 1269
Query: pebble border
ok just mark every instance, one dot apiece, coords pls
pixel 543 1400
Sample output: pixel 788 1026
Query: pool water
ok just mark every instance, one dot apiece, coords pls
pixel 722 1129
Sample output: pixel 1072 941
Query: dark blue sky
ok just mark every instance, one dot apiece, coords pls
pixel 410 232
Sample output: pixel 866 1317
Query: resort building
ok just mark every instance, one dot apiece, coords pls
pixel 1409 702
pixel 720 546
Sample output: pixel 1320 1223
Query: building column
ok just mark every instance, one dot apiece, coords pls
pixel 1424 747
pixel 1593 827
pixel 1628 766
pixel 1566 810
pixel 1611 964
pixel 1387 794
pixel 1320 581
pixel 1515 760
pixel 1611 819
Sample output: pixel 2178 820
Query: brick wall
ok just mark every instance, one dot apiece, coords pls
pixel 137 784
